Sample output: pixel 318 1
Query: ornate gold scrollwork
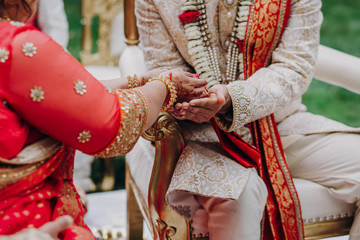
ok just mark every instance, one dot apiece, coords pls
pixel 165 122
pixel 164 230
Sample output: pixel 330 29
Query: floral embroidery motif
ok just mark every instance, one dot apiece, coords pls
pixel 17 24
pixel 80 87
pixel 194 172
pixel 29 49
pixel 4 55
pixel 84 136
pixel 37 94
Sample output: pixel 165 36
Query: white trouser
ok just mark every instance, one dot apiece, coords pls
pixel 232 219
pixel 331 160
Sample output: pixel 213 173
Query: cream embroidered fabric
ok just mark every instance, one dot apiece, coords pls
pixel 203 169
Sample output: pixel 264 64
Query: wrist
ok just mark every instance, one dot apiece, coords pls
pixel 227 105
pixel 171 91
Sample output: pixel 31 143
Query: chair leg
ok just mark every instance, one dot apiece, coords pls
pixel 108 181
pixel 134 216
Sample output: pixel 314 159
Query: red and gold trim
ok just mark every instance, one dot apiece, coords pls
pixel 134 112
pixel 269 19
pixel 283 214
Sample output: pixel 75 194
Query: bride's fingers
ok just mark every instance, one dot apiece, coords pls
pixel 53 228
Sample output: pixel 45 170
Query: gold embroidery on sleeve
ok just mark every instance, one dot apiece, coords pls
pixel 4 55
pixel 84 136
pixel 134 112
pixel 80 87
pixel 29 49
pixel 37 94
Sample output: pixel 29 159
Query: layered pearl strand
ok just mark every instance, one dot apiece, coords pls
pixel 206 55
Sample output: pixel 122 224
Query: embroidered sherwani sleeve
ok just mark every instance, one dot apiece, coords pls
pixel 54 93
pixel 158 45
pixel 278 87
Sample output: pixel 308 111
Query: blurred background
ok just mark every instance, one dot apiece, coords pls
pixel 340 30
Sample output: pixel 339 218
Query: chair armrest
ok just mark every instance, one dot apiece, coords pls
pixel 338 68
pixel 169 143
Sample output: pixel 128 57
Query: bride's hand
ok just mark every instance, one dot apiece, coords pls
pixel 188 86
pixel 53 228
pixel 145 77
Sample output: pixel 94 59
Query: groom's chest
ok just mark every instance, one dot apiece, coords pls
pixel 220 17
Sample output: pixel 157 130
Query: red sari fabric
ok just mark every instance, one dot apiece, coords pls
pixel 45 92
pixel 43 196
pixel 283 214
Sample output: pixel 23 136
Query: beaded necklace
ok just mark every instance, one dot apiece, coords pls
pixel 202 47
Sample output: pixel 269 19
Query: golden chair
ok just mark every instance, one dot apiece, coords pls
pixel 98 16
pixel 166 134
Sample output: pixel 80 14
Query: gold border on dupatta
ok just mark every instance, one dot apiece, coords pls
pixel 278 31
pixel 27 161
pixel 288 177
pixel 247 37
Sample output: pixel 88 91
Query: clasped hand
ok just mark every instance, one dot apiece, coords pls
pixel 203 109
pixel 188 86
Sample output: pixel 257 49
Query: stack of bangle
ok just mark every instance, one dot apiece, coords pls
pixel 172 95
pixel 133 82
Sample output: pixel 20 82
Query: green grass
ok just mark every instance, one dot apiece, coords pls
pixel 73 11
pixel 340 30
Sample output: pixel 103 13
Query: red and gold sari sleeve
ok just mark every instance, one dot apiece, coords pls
pixel 134 112
pixel 59 97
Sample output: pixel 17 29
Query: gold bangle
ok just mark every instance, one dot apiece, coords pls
pixel 133 82
pixel 172 95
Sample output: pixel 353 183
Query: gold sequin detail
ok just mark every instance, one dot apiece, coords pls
pixel 133 109
pixel 4 55
pixel 37 94
pixel 84 136
pixel 80 87
pixel 29 49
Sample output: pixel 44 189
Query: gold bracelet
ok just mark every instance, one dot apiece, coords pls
pixel 172 95
pixel 133 82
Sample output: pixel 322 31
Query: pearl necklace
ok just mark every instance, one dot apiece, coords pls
pixel 202 47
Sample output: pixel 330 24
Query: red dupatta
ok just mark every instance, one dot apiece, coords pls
pixel 283 214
